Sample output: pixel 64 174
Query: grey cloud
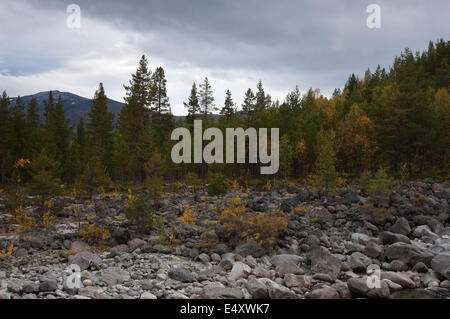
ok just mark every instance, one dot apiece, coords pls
pixel 284 43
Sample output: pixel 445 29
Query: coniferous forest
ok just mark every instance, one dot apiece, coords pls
pixel 396 119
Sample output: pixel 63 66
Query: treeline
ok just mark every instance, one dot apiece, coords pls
pixel 398 119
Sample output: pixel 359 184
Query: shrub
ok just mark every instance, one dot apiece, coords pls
pixel 25 222
pixel 326 174
pixel 139 212
pixel 379 187
pixel 261 227
pixel 94 235
pixel 45 181
pixel 48 219
pixel 94 177
pixel 188 217
pixel 218 186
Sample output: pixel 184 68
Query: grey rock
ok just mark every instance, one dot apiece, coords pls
pixel 251 248
pixel 301 281
pixel 359 288
pixel 181 274
pixel 239 270
pixel 359 262
pixel 148 295
pixel 401 226
pixel 257 289
pixel 441 264
pixel 277 291
pixel 85 260
pixel 216 292
pixel 114 276
pixel 388 238
pixel 324 293
pixel 322 261
pixel 408 253
pixel 48 285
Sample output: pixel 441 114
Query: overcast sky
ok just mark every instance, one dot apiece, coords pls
pixel 234 42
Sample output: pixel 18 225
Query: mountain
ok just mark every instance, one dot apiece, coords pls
pixel 75 106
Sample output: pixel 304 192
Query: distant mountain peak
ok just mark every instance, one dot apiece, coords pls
pixel 75 106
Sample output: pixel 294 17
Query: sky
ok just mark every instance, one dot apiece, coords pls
pixel 235 43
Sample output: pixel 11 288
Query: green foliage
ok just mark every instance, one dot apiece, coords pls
pixel 380 186
pixel 94 177
pixel 94 235
pixel 140 213
pixel 45 171
pixel 326 175
pixel 218 185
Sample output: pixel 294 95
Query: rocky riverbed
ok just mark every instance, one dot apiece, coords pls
pixel 329 244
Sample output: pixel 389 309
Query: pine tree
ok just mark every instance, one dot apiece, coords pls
pixel 160 100
pixel 248 108
pixel 82 141
pixel 94 177
pixel 61 133
pixel 228 108
pixel 192 106
pixel 5 133
pixel 45 175
pixel 34 136
pixel 100 126
pixel 206 99
pixel 18 129
pixel 326 174
pixel 263 101
pixel 140 86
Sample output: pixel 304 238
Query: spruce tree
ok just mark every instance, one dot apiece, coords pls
pixel 248 108
pixel 160 100
pixel 18 129
pixel 140 86
pixel 5 130
pixel 193 106
pixel 206 99
pixel 326 175
pixel 34 136
pixel 100 126
pixel 228 108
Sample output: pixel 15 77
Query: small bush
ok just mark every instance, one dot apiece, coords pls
pixel 379 187
pixel 139 212
pixel 6 253
pixel 25 222
pixel 261 227
pixel 188 217
pixel 94 235
pixel 218 186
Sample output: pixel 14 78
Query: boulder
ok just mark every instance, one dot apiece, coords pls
pixel 251 248
pixel 277 291
pixel 359 288
pixel 324 293
pixel 239 270
pixel 441 264
pixel 401 226
pixel 408 253
pixel 359 262
pixel 181 274
pixel 401 279
pixel 85 260
pixel 301 281
pixel 322 261
pixel 388 238
pixel 217 292
pixel 257 289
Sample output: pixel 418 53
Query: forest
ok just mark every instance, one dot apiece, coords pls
pixel 396 120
